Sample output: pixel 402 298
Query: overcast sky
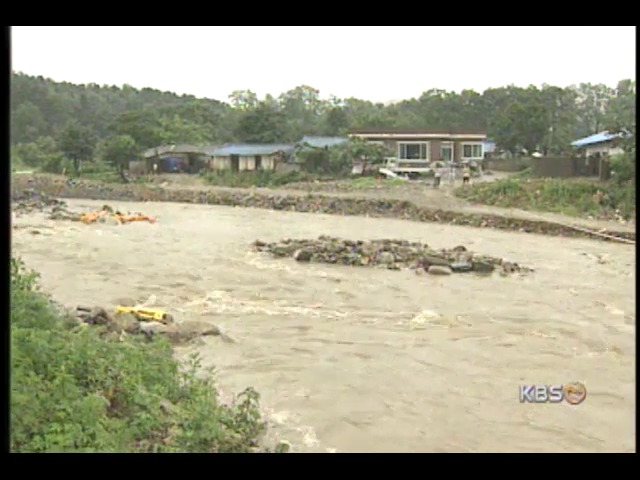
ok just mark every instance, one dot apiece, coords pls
pixel 372 63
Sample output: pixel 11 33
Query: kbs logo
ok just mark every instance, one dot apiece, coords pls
pixel 572 393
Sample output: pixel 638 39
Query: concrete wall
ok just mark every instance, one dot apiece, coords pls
pixel 137 167
pixel 507 164
pixel 220 163
pixel 564 167
pixel 245 162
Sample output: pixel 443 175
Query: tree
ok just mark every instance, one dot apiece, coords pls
pixel 371 152
pixel 27 123
pixel 142 126
pixel 264 124
pixel 243 100
pixel 42 154
pixel 622 106
pixel 621 117
pixel 175 129
pixel 523 123
pixel 302 109
pixel 77 143
pixel 559 104
pixel 336 122
pixel 119 151
pixel 591 107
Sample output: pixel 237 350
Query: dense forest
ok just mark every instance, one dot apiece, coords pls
pixel 53 123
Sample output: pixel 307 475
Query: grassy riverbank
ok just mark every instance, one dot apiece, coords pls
pixel 74 390
pixel 576 197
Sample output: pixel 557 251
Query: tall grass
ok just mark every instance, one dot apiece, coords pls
pixel 576 197
pixel 256 178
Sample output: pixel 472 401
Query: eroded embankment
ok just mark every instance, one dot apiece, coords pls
pixel 23 188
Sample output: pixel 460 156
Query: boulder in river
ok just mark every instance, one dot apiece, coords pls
pixel 302 255
pixel 439 270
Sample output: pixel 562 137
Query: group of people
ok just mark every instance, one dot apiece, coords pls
pixel 466 175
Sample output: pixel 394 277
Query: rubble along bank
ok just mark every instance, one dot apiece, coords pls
pixel 311 203
pixel 391 254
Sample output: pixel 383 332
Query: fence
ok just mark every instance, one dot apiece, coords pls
pixel 564 167
pixel 507 164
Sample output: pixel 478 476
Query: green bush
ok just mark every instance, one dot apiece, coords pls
pixel 257 178
pixel 42 154
pixel 332 161
pixel 623 168
pixel 75 390
pixel 570 196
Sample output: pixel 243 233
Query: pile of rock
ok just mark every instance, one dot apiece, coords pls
pixel 33 200
pixel 121 323
pixel 390 254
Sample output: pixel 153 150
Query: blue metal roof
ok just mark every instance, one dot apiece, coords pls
pixel 596 138
pixel 489 146
pixel 250 149
pixel 322 142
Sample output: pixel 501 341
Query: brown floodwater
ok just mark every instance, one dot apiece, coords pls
pixel 369 360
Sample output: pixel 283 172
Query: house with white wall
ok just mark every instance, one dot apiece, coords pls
pixel 603 143
pixel 422 146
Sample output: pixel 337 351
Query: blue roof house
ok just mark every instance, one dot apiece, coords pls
pixel 604 143
pixel 239 157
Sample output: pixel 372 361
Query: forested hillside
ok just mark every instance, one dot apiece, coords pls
pixel 54 122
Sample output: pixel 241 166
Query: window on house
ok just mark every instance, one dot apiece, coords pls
pixel 472 150
pixel 413 151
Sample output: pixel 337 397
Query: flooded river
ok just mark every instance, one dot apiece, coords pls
pixel 368 360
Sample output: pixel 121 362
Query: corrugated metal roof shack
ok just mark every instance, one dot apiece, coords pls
pixel 175 158
pixel 250 156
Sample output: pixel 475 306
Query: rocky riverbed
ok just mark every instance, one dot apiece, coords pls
pixel 391 254
pixel 31 200
pixel 118 324
pixel 382 208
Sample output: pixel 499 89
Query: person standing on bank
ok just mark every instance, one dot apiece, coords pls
pixel 466 175
pixel 436 177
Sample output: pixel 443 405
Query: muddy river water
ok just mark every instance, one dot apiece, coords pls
pixel 354 359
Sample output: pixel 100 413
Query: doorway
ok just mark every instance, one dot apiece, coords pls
pixel 235 163
pixel 446 152
pixel 258 162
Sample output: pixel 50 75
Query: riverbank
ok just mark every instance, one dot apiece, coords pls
pixel 578 197
pixel 77 389
pixel 349 205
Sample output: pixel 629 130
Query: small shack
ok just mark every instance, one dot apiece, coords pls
pixel 249 156
pixel 603 144
pixel 181 158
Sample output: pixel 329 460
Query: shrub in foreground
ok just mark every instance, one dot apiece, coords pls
pixel 74 390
